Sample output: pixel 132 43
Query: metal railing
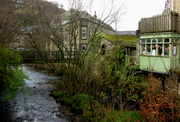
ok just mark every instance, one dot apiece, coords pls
pixel 31 56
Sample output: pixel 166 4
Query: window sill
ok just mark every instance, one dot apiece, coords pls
pixel 154 56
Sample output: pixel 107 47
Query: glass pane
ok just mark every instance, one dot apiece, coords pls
pixel 159 49
pixel 90 32
pixel 153 50
pixel 160 40
pixel 174 41
pixel 143 41
pixel 143 49
pixel 166 40
pixel 148 49
pixel 83 32
pixel 166 50
pixel 148 40
pixel 83 47
pixel 154 40
pixel 174 50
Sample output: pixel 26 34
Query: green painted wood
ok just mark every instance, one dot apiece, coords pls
pixel 155 63
pixel 161 64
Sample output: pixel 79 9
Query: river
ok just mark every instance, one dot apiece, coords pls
pixel 36 106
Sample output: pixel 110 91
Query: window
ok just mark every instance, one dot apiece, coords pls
pixel 166 40
pixel 84 33
pixel 160 40
pixel 90 32
pixel 159 49
pixel 103 49
pixel 143 52
pixel 155 47
pixel 148 40
pixel 166 50
pixel 84 48
pixel 153 50
pixel 174 50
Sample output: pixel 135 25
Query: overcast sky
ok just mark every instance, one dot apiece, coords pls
pixel 134 10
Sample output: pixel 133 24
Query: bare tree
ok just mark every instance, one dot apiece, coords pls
pixel 9 22
pixel 69 31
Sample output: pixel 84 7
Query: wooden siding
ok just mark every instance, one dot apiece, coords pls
pixel 160 23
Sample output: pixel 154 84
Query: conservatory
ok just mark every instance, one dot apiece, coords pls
pixel 159 52
pixel 158 43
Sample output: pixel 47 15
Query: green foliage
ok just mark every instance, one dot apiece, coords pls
pixel 81 102
pixel 118 55
pixel 95 44
pixel 91 109
pixel 63 97
pixel 60 71
pixel 124 116
pixel 106 78
pixel 60 94
pixel 129 82
pixel 12 76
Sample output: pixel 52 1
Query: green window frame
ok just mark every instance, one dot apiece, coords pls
pixel 155 46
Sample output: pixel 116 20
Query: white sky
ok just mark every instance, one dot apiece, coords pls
pixel 134 10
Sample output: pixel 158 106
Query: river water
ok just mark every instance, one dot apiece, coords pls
pixel 36 106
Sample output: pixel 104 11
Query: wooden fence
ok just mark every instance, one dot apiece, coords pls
pixel 31 56
pixel 160 23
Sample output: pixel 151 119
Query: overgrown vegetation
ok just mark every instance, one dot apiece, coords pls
pixel 12 76
pixel 121 91
pixel 159 105
pixel 97 86
pixel 106 80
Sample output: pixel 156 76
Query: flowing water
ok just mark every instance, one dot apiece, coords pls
pixel 36 106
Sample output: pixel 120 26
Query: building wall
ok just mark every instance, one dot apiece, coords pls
pixel 176 8
pixel 88 24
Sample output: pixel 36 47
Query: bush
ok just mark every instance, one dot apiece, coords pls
pixel 12 76
pixel 159 105
pixel 62 96
pixel 124 116
pixel 91 109
pixel 81 102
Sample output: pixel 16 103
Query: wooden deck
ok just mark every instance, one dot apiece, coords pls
pixel 160 23
pixel 56 56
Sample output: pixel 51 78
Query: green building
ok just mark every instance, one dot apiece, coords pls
pixel 158 40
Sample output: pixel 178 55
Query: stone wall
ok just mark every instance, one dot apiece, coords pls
pixel 176 8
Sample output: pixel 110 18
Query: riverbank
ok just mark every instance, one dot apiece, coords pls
pixel 36 105
pixel 63 111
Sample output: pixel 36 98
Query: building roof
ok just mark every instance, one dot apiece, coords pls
pixel 85 15
pixel 126 33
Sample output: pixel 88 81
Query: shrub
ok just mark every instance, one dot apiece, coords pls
pixel 123 116
pixel 159 105
pixel 81 102
pixel 62 96
pixel 12 76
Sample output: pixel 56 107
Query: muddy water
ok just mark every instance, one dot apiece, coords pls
pixel 36 106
